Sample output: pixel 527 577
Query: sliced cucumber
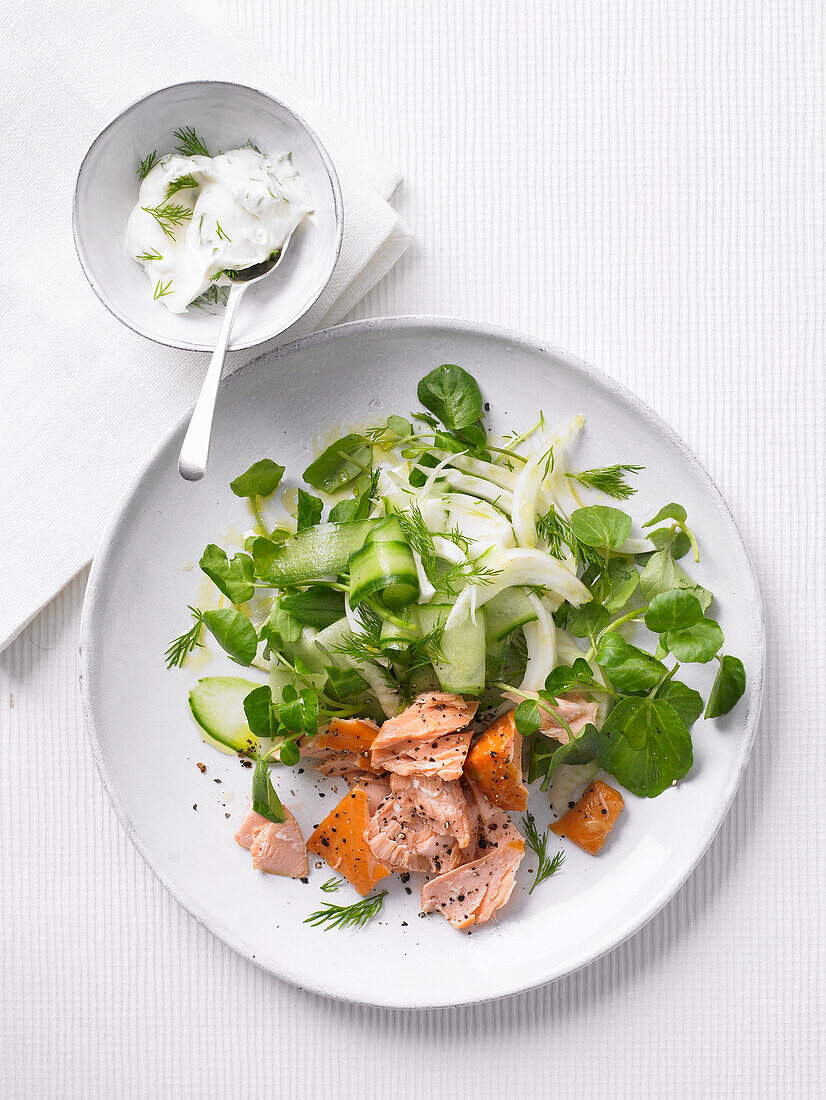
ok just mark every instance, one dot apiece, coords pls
pixel 463 649
pixel 316 552
pixel 385 565
pixel 508 610
pixel 217 705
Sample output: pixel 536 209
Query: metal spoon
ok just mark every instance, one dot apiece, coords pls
pixel 192 462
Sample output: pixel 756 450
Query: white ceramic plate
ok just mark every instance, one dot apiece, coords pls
pixel 146 745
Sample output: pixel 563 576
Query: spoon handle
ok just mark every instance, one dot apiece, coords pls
pixel 192 463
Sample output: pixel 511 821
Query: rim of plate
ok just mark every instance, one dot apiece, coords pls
pixel 338 206
pixel 413 322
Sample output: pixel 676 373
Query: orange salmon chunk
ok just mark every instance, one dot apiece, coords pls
pixel 592 819
pixel 494 763
pixel 339 839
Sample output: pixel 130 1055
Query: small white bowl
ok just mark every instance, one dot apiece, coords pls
pixel 226 116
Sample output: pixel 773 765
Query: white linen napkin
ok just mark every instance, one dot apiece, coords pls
pixel 81 397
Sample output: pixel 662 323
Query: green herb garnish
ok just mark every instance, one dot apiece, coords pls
pixel 168 216
pixel 539 846
pixel 185 643
pixel 189 144
pixel 608 479
pixel 162 289
pixel 147 164
pixel 347 916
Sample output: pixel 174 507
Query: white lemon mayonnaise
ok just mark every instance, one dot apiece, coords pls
pixel 199 216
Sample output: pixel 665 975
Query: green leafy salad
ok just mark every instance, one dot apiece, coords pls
pixel 422 554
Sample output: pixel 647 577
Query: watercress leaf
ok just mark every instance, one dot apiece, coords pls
pixel 526 716
pixel 687 702
pixel 260 480
pixel 309 710
pixel 670 511
pixel 696 643
pixel 264 799
pixel 344 511
pixel 234 633
pixel 400 426
pixel 662 573
pixel 233 578
pixel 308 510
pixel 345 683
pixel 587 620
pixel 540 752
pixel 599 525
pixel 729 685
pixel 673 610
pixel 289 753
pixel 561 614
pixel 613 585
pixel 453 395
pixel 290 715
pixel 628 667
pixel 562 678
pixel 258 709
pixel 581 750
pixel 317 606
pixel 680 544
pixel 475 435
pixel 341 463
pixel 288 693
pixel 645 745
pixel 281 628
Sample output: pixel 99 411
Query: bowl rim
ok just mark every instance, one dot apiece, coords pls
pixel 413 323
pixel 338 209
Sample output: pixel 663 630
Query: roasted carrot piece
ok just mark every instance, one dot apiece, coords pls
pixel 340 840
pixel 494 763
pixel 349 735
pixel 592 819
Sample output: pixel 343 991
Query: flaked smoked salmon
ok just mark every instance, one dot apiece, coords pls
pixel 577 712
pixel 592 819
pixel 276 847
pixel 428 738
pixel 423 825
pixel 349 735
pixel 472 892
pixel 339 839
pixel 494 763
pixel 376 788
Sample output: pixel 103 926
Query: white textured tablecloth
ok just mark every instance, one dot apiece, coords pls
pixel 642 183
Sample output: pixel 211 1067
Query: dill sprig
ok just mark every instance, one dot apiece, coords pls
pixel 162 289
pixel 152 254
pixel 609 480
pixel 465 573
pixel 147 164
pixel 415 530
pixel 222 236
pixel 182 183
pixel 427 650
pixel 213 296
pixel 347 916
pixel 251 145
pixel 184 644
pixel 556 531
pixel 539 846
pixel 332 884
pixel 189 144
pixel 168 215
pixel 362 645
